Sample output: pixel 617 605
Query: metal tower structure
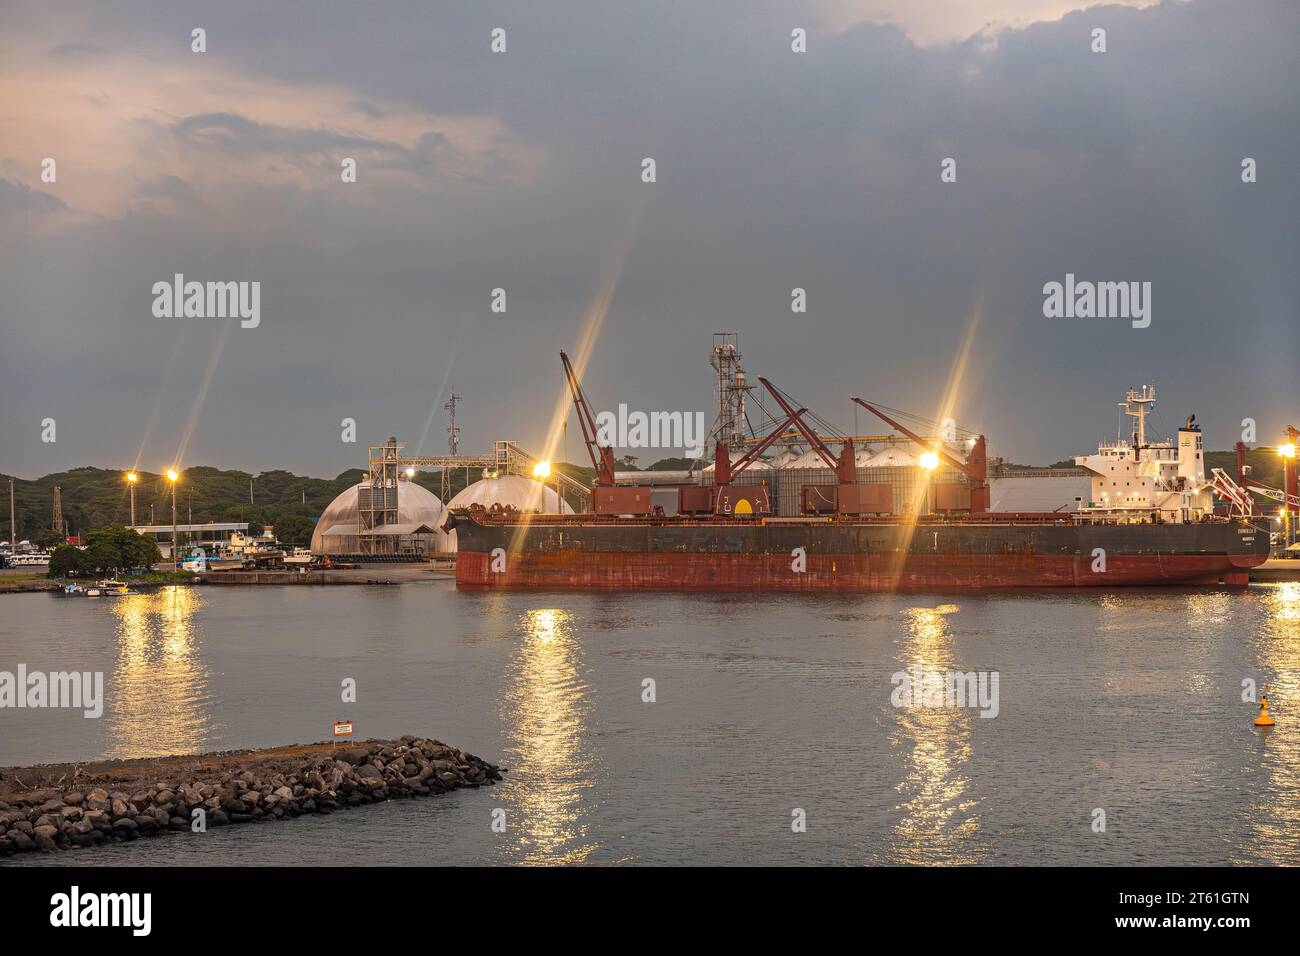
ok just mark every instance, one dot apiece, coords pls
pixel 377 497
pixel 453 433
pixel 58 512
pixel 732 424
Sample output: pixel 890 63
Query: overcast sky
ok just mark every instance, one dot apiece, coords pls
pixel 522 170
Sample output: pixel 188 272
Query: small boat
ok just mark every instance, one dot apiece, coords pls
pixel 114 588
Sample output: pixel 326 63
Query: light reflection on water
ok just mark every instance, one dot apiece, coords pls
pixel 1275 799
pixel 939 821
pixel 547 709
pixel 159 687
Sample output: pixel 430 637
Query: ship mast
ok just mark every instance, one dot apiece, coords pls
pixel 1135 406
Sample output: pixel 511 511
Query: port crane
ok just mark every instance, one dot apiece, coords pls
pixel 1289 496
pixel 1290 501
pixel 725 469
pixel 975 468
pixel 1240 503
pixel 845 466
pixel 602 458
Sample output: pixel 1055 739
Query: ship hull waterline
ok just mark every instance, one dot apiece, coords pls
pixel 819 556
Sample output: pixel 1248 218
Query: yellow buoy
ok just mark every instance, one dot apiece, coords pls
pixel 1264 720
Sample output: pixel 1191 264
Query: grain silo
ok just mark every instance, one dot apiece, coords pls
pixel 415 532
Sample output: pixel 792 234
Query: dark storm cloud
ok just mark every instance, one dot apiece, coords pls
pixel 369 109
pixel 171 189
pixel 776 170
pixel 15 199
pixel 241 137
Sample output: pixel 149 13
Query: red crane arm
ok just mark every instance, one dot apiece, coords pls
pixel 961 466
pixel 796 416
pixel 602 459
pixel 752 455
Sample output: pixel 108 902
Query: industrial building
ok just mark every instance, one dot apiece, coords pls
pixel 387 516
pixel 413 528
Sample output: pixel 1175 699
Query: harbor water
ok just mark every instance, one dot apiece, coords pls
pixel 773 735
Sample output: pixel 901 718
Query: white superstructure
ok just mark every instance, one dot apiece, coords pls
pixel 1134 475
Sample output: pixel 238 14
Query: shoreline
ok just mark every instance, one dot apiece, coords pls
pixel 1273 571
pixel 16 581
pixel 63 806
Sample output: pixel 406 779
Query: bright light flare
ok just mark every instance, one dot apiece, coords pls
pixel 132 477
pixel 410 472
pixel 173 475
pixel 542 469
pixel 930 460
pixel 1286 451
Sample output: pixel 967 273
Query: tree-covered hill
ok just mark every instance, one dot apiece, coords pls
pixel 95 498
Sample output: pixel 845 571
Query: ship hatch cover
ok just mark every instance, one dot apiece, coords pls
pixel 743 508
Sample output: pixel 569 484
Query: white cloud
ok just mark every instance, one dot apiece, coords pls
pixel 930 22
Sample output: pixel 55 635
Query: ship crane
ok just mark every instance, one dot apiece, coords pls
pixel 602 458
pixel 1240 503
pixel 724 470
pixel 846 467
pixel 975 469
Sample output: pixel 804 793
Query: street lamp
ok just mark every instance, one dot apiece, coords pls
pixel 131 479
pixel 173 476
pixel 1287 454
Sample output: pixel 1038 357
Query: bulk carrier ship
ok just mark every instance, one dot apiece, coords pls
pixel 1149 521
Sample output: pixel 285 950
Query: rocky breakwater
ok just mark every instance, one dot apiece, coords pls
pixel 67 806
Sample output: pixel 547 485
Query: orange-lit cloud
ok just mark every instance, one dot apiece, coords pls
pixel 126 131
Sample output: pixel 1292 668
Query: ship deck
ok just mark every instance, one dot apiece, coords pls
pixel 987 519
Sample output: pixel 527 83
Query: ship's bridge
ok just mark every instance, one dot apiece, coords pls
pixel 1163 476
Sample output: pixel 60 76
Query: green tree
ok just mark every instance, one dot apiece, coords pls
pixel 672 464
pixel 116 547
pixel 100 555
pixel 68 561
pixel 48 538
pixel 294 530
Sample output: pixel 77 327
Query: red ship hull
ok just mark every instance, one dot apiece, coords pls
pixel 756 572
pixel 850 557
